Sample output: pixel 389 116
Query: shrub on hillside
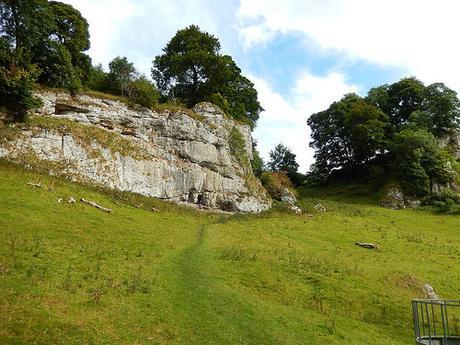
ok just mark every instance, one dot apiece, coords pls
pixel 276 183
pixel 143 92
pixel 238 145
pixel 257 163
pixel 444 200
pixel 16 90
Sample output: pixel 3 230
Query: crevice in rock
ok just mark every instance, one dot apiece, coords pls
pixel 63 109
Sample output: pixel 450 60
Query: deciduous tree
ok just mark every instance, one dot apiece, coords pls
pixel 191 69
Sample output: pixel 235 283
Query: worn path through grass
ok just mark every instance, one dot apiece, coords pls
pixel 210 312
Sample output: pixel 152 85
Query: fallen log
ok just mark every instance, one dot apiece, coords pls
pixel 367 245
pixel 37 185
pixel 92 203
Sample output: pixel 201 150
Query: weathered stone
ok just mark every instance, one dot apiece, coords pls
pixel 429 292
pixel 451 141
pixel 320 208
pixel 295 209
pixel 180 155
pixel 288 197
pixel 395 199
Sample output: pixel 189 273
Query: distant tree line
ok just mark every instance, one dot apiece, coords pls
pixel 398 131
pixel 45 42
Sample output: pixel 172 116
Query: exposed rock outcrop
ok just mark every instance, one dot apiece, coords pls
pixel 179 155
pixel 395 199
pixel 288 197
pixel 452 142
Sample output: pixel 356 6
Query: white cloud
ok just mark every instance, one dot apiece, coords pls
pixel 139 29
pixel 284 120
pixel 416 35
pixel 105 18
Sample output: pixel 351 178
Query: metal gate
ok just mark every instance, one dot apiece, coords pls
pixel 436 322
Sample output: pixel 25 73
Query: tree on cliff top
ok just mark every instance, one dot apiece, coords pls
pixel 121 74
pixel 191 69
pixel 49 34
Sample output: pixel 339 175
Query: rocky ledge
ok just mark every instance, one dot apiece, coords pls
pixel 197 156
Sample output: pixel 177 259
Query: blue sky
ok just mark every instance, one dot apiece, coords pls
pixel 301 54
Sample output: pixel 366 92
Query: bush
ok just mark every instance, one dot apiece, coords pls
pixel 297 179
pixel 444 200
pixel 238 146
pixel 276 183
pixel 98 79
pixel 257 163
pixel 221 102
pixel 143 92
pixel 16 90
pixel 418 160
pixel 57 69
pixel 444 206
pixel 378 175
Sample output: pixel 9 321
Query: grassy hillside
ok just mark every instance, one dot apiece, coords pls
pixel 72 274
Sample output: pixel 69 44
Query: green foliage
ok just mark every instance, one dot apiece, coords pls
pixel 350 132
pixel 276 183
pixel 238 146
pixel 121 75
pixel 220 101
pixel 187 68
pixel 444 200
pixel 393 129
pixel 366 126
pixel 25 24
pixel 124 80
pixel 16 95
pixel 70 30
pixel 51 35
pixel 98 79
pixel 402 100
pixel 399 100
pixel 282 158
pixel 419 162
pixel 143 92
pixel 239 93
pixel 192 70
pixel 257 163
pixel 57 69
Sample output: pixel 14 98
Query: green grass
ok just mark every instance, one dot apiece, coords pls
pixel 71 274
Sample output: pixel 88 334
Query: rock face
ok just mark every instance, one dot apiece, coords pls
pixel 178 155
pixel 395 199
pixel 288 197
pixel 452 143
pixel 429 292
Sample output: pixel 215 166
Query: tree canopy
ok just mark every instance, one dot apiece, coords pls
pixel 282 159
pixel 191 69
pixel 397 127
pixel 121 75
pixel 49 34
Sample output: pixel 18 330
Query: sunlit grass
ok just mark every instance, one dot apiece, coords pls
pixel 71 274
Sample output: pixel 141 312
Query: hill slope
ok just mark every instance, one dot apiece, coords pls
pixel 72 274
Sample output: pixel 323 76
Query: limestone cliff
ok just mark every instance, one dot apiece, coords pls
pixel 197 156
